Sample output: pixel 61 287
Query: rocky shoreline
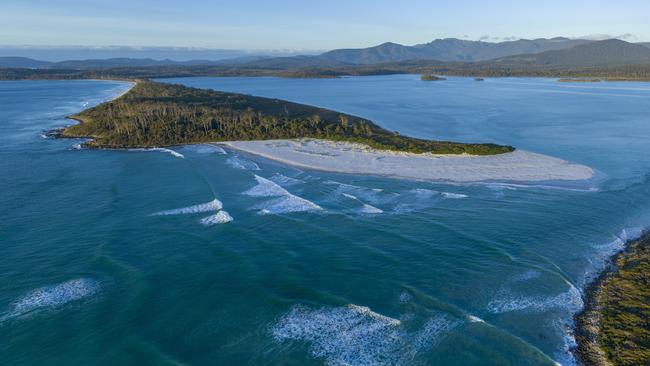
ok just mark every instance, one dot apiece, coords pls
pixel 597 328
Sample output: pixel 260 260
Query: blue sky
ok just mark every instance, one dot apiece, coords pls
pixel 315 25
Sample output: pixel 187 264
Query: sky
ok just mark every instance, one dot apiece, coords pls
pixel 311 25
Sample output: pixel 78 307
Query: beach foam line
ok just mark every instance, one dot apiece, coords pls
pixel 507 301
pixel 52 297
pixel 285 202
pixel 357 336
pixel 214 205
pixel 160 149
pixel 220 217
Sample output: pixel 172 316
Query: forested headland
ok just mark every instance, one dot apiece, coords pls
pixel 159 114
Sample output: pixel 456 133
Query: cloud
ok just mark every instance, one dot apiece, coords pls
pixel 602 36
pixel 488 38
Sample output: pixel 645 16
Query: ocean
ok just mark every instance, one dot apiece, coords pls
pixel 200 255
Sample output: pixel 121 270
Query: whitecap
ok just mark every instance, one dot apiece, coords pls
pixel 475 319
pixel 453 195
pixel 243 164
pixel 285 203
pixel 52 297
pixel 365 208
pixel 220 217
pixel 214 205
pixel 161 149
pixel 357 336
pixel 77 146
pixel 370 210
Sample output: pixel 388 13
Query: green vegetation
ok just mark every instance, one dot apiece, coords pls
pixel 614 329
pixel 157 114
pixel 430 77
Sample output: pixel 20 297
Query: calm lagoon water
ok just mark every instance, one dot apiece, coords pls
pixel 315 268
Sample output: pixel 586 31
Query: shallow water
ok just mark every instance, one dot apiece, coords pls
pixel 130 257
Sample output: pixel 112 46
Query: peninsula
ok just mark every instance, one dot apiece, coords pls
pixel 153 114
pixel 157 114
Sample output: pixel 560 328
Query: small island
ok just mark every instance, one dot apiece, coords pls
pixel 155 114
pixel 431 77
pixel 614 327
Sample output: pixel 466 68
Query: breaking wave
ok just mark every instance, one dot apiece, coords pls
pixel 453 195
pixel 285 181
pixel 374 196
pixel 570 300
pixel 285 203
pixel 365 208
pixel 220 217
pixel 52 297
pixel 604 252
pixel 357 336
pixel 214 205
pixel 243 164
pixel 161 149
pixel 506 300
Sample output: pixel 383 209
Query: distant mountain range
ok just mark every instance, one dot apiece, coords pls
pixel 611 52
pixel 537 53
pixel 449 49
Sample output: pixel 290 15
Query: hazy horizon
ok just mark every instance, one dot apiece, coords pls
pixel 294 25
pixel 54 53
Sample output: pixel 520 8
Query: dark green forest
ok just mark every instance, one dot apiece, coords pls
pixel 157 114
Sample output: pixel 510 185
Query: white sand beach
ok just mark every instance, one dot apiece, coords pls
pixel 345 157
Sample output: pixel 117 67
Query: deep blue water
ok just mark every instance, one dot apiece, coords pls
pixel 315 268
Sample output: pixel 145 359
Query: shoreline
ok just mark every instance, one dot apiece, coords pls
pixel 588 322
pixel 518 166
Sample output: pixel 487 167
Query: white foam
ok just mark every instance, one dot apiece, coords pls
pixel 77 146
pixel 357 336
pixel 365 208
pixel 604 252
pixel 161 149
pixel 453 195
pixel 214 205
pixel 475 319
pixel 570 301
pixel 285 203
pixel 371 210
pixel 52 296
pixel 220 217
pixel 243 164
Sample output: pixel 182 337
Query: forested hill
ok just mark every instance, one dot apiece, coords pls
pixel 157 114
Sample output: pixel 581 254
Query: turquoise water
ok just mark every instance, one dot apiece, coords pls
pixel 105 257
